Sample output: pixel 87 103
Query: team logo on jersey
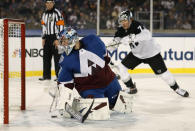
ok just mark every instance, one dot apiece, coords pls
pixel 90 63
pixel 94 68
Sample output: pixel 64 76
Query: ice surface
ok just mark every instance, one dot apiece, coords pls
pixel 156 108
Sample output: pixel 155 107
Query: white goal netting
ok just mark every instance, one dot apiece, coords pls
pixel 14 67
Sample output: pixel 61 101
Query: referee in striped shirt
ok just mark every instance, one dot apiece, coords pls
pixel 52 24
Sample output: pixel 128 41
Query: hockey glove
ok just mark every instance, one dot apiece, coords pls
pixel 113 45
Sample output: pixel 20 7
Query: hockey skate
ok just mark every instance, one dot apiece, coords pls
pixel 182 92
pixel 133 89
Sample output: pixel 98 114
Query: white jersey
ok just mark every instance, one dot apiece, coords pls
pixel 144 46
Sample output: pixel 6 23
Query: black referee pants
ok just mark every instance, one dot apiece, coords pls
pixel 50 50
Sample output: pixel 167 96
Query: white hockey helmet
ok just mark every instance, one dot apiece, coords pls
pixel 125 15
pixel 69 34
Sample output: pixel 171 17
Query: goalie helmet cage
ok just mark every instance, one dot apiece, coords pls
pixel 11 29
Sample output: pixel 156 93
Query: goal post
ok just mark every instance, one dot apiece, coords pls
pixel 12 35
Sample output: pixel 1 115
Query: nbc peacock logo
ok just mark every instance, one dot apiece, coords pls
pixel 16 53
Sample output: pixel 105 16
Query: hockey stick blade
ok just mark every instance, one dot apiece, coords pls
pixel 75 114
pixel 88 112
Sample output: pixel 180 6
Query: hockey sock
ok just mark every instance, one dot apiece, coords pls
pixel 175 86
pixel 124 74
pixel 168 78
pixel 129 83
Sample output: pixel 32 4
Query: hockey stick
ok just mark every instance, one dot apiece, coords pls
pixel 88 112
pixel 113 45
pixel 52 101
pixel 76 114
pixel 131 39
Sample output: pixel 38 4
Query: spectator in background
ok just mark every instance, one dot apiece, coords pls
pixel 52 24
pixel 110 23
pixel 187 25
pixel 170 20
pixel 89 6
pixel 73 18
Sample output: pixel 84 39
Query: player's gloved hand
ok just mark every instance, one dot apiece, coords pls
pixel 113 45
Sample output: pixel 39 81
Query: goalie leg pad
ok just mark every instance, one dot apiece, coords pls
pixel 65 95
pixel 124 103
pixel 100 108
pixel 60 95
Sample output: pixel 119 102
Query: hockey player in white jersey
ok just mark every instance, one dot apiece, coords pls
pixel 143 50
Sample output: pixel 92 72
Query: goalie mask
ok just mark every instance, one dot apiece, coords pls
pixel 124 15
pixel 68 39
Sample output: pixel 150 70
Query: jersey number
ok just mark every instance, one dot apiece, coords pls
pixel 140 27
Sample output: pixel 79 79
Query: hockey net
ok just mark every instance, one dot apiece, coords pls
pixel 12 68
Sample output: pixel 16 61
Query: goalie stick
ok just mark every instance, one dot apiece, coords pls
pixel 76 114
pixel 52 103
